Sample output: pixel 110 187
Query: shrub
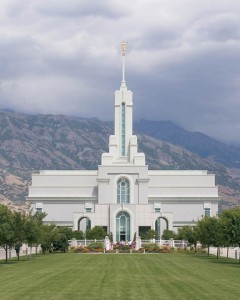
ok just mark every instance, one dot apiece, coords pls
pixel 151 247
pixel 95 246
pixel 79 249
pixel 96 232
pixel 121 247
pixel 166 249
pixel 168 234
pixel 71 249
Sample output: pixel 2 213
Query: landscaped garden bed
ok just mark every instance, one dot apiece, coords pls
pixel 98 247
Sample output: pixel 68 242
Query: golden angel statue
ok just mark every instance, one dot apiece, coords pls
pixel 123 48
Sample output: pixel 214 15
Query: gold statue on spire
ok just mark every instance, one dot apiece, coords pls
pixel 123 48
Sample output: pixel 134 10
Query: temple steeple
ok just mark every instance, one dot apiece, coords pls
pixel 123 144
pixel 123 82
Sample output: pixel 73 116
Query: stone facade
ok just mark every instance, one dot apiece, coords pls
pixel 123 195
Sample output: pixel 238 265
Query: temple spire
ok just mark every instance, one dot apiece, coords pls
pixel 123 82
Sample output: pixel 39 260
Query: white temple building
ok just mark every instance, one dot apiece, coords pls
pixel 123 195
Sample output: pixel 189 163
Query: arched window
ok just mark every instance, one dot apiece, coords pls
pixel 123 191
pixel 84 224
pixel 160 225
pixel 123 226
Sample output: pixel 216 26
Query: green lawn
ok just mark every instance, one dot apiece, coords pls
pixel 120 276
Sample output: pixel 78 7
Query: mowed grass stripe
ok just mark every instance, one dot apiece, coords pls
pixel 127 276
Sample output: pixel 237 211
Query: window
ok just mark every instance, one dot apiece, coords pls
pixel 157 209
pixel 84 224
pixel 123 129
pixel 123 226
pixel 88 209
pixel 38 210
pixel 123 191
pixel 207 212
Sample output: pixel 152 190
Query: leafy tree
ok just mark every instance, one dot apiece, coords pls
pixel 70 234
pixel 33 229
pixel 150 234
pixel 19 222
pixel 49 235
pixel 96 232
pixel 188 233
pixel 78 235
pixel 207 231
pixel 66 231
pixel 230 221
pixel 168 234
pixel 6 229
pixel 61 243
pixel 54 238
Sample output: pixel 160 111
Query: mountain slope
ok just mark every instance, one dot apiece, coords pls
pixel 195 142
pixel 29 143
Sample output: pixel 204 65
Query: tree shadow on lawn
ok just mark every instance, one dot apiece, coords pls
pixel 14 260
pixel 221 260
pixel 9 262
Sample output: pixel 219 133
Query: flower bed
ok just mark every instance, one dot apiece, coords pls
pixel 97 247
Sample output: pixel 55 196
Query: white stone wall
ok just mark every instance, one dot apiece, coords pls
pixel 180 195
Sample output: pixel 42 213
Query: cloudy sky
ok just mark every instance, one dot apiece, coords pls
pixel 182 63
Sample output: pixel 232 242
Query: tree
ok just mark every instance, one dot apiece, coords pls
pixel 188 233
pixel 96 232
pixel 150 234
pixel 78 235
pixel 33 229
pixel 168 234
pixel 49 235
pixel 19 223
pixel 6 229
pixel 230 221
pixel 207 232
pixel 61 243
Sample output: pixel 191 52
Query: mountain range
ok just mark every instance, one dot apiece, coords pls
pixel 29 143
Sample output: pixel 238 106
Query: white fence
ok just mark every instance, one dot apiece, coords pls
pixel 232 252
pixel 169 243
pixel 79 243
pixel 24 250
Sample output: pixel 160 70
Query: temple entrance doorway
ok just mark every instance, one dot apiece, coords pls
pixel 122 227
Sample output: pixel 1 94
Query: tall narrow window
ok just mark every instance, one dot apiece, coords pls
pixel 39 210
pixel 123 226
pixel 158 228
pixel 123 129
pixel 123 191
pixel 207 212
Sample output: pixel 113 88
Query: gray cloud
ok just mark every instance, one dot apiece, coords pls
pixel 79 8
pixel 182 60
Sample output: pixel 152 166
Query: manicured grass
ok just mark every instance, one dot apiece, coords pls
pixel 120 276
